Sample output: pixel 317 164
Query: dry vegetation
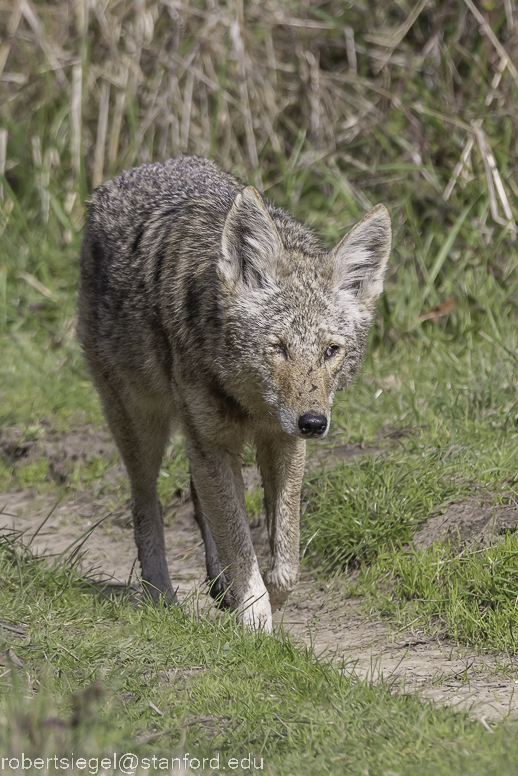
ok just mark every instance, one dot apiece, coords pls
pixel 369 89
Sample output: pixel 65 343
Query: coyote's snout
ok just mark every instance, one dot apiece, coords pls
pixel 311 425
pixel 202 305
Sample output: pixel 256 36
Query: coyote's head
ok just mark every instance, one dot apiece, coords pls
pixel 295 317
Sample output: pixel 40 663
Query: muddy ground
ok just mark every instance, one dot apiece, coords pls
pixel 318 613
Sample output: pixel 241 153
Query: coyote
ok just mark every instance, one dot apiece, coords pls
pixel 202 305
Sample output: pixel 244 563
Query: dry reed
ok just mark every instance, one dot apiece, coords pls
pixel 265 87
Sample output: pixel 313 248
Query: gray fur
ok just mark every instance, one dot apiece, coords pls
pixel 203 306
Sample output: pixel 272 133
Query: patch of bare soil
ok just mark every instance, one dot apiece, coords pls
pixel 317 613
pixel 61 450
pixel 469 522
pixel 322 453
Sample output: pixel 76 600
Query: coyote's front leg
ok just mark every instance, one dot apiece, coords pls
pixel 216 472
pixel 281 459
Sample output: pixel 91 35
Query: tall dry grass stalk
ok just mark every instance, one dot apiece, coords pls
pixel 268 87
pixel 3 156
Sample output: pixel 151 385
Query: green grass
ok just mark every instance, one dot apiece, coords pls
pixel 354 511
pixel 468 596
pixel 254 502
pixel 93 676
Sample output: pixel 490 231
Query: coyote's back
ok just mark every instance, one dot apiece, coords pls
pixel 202 305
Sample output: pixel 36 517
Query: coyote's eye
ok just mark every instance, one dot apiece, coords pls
pixel 331 351
pixel 280 350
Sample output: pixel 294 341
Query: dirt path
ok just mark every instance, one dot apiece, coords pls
pixel 317 613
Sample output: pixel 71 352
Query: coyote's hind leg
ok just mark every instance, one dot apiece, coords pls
pixel 215 574
pixel 141 431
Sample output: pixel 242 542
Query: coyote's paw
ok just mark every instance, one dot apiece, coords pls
pixel 158 590
pixel 279 585
pixel 257 616
pixel 255 611
pixel 218 589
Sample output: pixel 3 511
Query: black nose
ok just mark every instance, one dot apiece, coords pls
pixel 312 425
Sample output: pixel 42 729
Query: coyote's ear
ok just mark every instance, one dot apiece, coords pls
pixel 250 247
pixel 360 258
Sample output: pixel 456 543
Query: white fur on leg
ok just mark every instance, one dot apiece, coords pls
pixel 254 610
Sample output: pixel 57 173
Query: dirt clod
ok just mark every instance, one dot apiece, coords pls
pixel 468 523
